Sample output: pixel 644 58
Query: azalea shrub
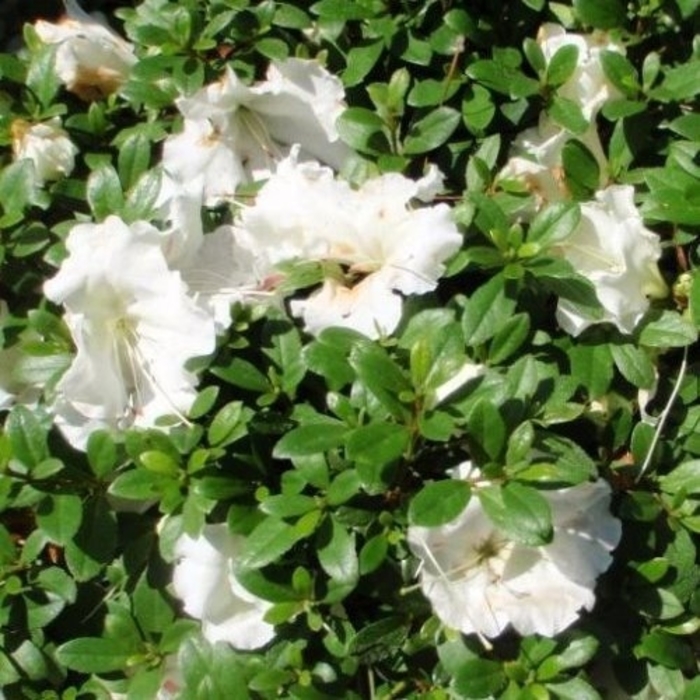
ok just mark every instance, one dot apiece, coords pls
pixel 347 349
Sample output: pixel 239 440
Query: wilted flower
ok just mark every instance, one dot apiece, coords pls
pixel 614 250
pixel 588 85
pixel 204 580
pixel 233 133
pixel 91 60
pixel 47 145
pixel 376 246
pixel 134 327
pixel 479 581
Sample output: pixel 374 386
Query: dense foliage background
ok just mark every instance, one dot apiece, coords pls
pixel 320 450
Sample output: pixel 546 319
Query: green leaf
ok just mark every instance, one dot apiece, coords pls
pixel 204 402
pixel 561 65
pixel 680 83
pixel 219 487
pixel 601 14
pixel 592 367
pixel 134 157
pixel 478 109
pixel 431 131
pixel 487 311
pixel 59 516
pixel 487 429
pixel 343 487
pixel 95 654
pixel 310 439
pixel 335 547
pixel 363 130
pixel 574 689
pixel 685 477
pixel 378 640
pixel 479 678
pixel 229 424
pixel 140 485
pixel 42 79
pixel 381 375
pixel 579 651
pixel 568 115
pixel 27 436
pixel 667 329
pixel 521 512
pixel 439 502
pixel 620 72
pixel 554 223
pixel 104 192
pixel 211 671
pixel 360 61
pixel 11 68
pixel 634 364
pixel 101 452
pixel 268 542
pixel 286 353
pixel 152 610
pixel 373 554
pixel 95 542
pixel 288 505
pixel 17 186
pixel 160 463
pixel 330 362
pixel 665 649
pixel 687 126
pixel 503 78
pixel 342 11
pixel 142 196
pixel 580 169
pixel 377 443
pixel 509 338
pixel 244 374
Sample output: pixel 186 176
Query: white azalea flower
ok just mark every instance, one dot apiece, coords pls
pixel 217 270
pixel 233 133
pixel 47 145
pixel 382 247
pixel 134 327
pixel 203 579
pixel 618 254
pixel 588 85
pixel 480 582
pixel 91 60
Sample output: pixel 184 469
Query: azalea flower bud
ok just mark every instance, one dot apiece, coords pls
pixel 480 582
pixel 92 61
pixel 588 85
pixel 614 250
pixel 47 145
pixel 204 580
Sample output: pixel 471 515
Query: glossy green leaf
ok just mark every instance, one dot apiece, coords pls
pixel 601 14
pixel 431 131
pixel 378 443
pixel 59 516
pixel 487 311
pixel 439 502
pixel 310 439
pixel 521 512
